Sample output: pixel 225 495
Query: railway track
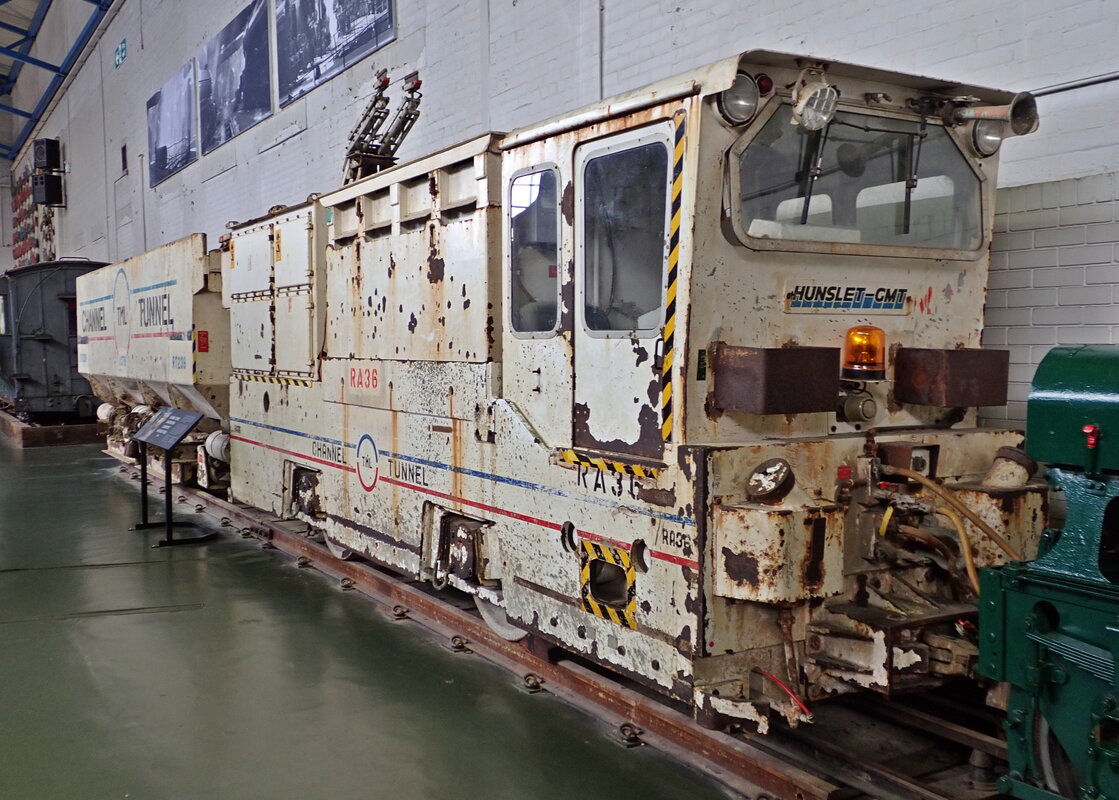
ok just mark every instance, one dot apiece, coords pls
pixel 865 747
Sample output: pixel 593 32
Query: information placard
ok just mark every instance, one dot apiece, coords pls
pixel 167 427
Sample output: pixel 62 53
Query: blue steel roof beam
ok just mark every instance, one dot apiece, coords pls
pixel 7 26
pixel 25 46
pixel 26 59
pixel 56 80
pixel 19 112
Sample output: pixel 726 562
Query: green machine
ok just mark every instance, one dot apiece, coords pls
pixel 1050 628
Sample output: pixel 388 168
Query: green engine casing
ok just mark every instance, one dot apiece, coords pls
pixel 1074 387
pixel 1050 628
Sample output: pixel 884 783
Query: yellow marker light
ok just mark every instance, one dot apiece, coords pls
pixel 864 354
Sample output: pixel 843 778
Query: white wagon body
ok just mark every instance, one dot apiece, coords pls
pixel 152 330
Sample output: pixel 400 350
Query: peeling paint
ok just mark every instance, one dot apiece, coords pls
pixel 740 567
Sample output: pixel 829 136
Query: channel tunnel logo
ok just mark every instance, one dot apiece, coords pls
pixel 368 463
pixel 119 313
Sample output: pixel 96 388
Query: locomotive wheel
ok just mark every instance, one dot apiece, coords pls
pixel 1058 774
pixel 498 620
pixel 339 551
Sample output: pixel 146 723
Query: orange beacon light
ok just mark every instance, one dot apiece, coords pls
pixel 864 354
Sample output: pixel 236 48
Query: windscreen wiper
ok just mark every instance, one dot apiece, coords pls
pixel 914 158
pixel 813 174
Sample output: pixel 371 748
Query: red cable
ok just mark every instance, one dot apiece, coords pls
pixel 788 691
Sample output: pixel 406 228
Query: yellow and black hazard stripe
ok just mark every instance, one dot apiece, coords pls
pixel 269 379
pixel 673 269
pixel 606 464
pixel 625 615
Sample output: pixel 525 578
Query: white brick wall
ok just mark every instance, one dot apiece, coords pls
pixel 1054 276
pixel 504 63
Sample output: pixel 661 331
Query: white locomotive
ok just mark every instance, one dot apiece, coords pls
pixel 684 382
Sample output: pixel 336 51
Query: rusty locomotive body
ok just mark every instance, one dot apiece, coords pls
pixel 605 374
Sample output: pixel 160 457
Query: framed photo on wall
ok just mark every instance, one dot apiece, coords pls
pixel 172 140
pixel 234 79
pixel 317 39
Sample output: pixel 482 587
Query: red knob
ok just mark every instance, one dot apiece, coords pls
pixel 1093 434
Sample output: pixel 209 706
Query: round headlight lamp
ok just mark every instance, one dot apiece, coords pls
pixel 815 106
pixel 740 102
pixel 987 135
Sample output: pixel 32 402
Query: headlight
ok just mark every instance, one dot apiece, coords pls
pixel 987 135
pixel 740 102
pixel 815 106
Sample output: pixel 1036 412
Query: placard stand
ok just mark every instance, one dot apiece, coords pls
pixel 165 430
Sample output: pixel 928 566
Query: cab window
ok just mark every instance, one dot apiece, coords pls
pixel 534 252
pixel 863 180
pixel 624 210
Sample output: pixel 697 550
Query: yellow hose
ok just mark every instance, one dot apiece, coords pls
pixel 956 504
pixel 965 545
pixel 885 520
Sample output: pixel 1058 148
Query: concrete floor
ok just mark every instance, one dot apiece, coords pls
pixel 222 671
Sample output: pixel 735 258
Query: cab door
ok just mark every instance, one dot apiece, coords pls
pixel 537 348
pixel 622 203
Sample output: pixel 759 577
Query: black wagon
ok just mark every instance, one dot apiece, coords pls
pixel 39 379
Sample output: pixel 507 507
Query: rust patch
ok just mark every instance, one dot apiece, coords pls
pixel 436 266
pixel 412 323
pixel 692 604
pixel 814 558
pixel 684 641
pixel 567 299
pixel 684 461
pixel 740 567
pixel 641 353
pixel 392 265
pixel 649 443
pixel 892 404
pixel 657 497
pixel 567 203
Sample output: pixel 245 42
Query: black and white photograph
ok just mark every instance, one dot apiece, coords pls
pixel 317 39
pixel 234 89
pixel 172 141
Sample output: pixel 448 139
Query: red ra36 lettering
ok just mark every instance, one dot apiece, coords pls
pixel 363 378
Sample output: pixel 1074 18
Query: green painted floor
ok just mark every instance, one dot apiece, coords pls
pixel 223 671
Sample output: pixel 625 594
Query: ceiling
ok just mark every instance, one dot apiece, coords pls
pixel 20 24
